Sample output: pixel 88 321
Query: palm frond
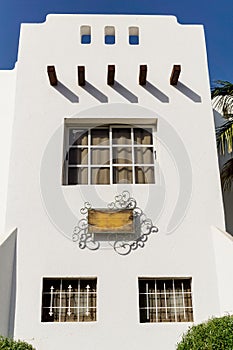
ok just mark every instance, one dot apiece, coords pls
pixel 227 175
pixel 222 93
pixel 224 137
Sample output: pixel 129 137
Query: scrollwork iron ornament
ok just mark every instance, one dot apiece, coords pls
pixel 122 244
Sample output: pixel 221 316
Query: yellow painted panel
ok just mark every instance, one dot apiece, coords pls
pixel 110 221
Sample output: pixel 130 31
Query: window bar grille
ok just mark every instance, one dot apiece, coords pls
pixel 69 300
pixel 182 287
pixel 147 302
pixel 89 169
pixel 78 304
pixel 165 299
pixel 51 301
pixel 174 296
pixel 133 158
pixel 156 302
pixel 60 301
pixel 111 156
pixel 87 305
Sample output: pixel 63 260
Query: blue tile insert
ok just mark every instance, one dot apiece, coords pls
pixel 109 39
pixel 85 39
pixel 134 39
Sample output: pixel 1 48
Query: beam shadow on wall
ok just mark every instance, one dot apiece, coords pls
pixel 92 90
pixel 128 95
pixel 67 93
pixel 153 90
pixel 188 92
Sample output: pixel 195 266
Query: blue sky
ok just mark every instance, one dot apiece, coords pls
pixel 217 17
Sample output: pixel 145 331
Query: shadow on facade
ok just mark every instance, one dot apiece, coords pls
pixel 153 90
pixel 67 93
pixel 188 92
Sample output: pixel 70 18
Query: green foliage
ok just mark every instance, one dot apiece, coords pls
pixel 10 344
pixel 222 94
pixel 216 334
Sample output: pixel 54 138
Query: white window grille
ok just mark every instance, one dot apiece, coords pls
pixel 110 155
pixel 69 300
pixel 165 300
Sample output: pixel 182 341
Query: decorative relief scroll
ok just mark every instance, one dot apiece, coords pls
pixel 122 225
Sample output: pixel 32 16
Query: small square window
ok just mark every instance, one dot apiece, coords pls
pixel 69 300
pixel 109 35
pixel 165 300
pixel 133 35
pixel 85 33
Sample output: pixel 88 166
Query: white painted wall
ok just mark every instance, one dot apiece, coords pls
pixel 7 93
pixel 223 243
pixel 46 212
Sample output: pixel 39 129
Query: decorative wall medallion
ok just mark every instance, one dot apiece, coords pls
pixel 122 225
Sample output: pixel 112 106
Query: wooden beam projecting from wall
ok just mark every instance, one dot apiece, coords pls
pixel 111 74
pixel 142 74
pixel 175 74
pixel 52 75
pixel 81 75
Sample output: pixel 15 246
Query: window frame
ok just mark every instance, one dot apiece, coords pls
pixel 165 308
pixel 61 292
pixel 109 146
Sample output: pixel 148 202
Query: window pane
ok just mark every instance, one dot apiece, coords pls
pixel 78 137
pixel 77 176
pixel 143 316
pixel 91 283
pixel 121 136
pixel 143 136
pixel 162 317
pixel 171 315
pixel 122 174
pixel 161 300
pixel 169 285
pixel 178 285
pixel 144 175
pixel 147 286
pixel 78 156
pixel 187 285
pixel 152 315
pixel 143 155
pixel 100 137
pixel 122 155
pixel 170 300
pixel 100 156
pixel 188 300
pixel 179 299
pixel 189 315
pixel 181 315
pixel 100 176
pixel 160 286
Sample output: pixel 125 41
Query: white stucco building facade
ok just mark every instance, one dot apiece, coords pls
pixel 89 114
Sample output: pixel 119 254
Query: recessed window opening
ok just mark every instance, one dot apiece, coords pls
pixel 109 35
pixel 85 33
pixel 114 154
pixel 165 300
pixel 69 300
pixel 133 35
